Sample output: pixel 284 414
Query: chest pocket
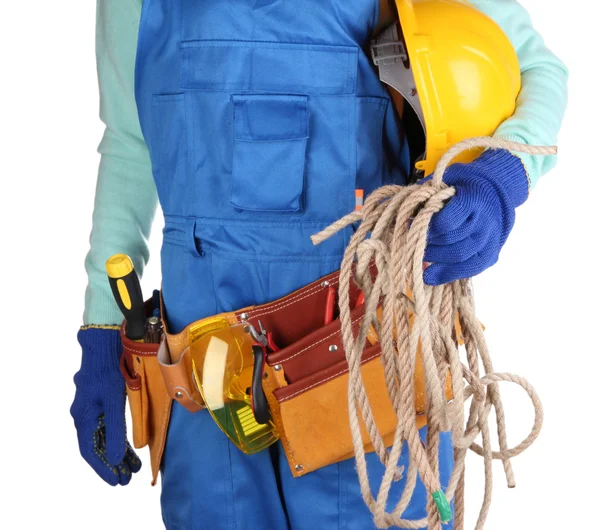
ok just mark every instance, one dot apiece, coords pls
pixel 288 115
pixel 271 133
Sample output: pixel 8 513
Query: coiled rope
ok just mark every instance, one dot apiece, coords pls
pixel 397 219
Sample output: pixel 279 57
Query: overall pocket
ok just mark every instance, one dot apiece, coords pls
pixel 271 133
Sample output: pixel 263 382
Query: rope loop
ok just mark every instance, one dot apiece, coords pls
pixel 418 324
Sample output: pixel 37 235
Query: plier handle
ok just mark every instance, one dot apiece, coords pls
pixel 260 406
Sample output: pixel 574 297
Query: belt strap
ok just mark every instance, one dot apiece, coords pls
pixel 290 319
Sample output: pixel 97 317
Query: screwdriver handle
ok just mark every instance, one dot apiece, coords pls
pixel 127 291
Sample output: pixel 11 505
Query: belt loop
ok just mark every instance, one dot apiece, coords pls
pixel 190 238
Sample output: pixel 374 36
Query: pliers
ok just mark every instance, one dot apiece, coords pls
pixel 260 407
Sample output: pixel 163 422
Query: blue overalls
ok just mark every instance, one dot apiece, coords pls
pixel 262 117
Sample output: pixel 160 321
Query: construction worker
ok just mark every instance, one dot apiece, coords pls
pixel 253 122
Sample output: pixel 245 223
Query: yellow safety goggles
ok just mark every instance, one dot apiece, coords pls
pixel 228 370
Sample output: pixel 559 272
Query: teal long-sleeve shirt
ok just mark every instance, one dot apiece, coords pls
pixel 126 198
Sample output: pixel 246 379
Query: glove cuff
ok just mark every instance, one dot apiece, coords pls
pixel 101 349
pixel 507 171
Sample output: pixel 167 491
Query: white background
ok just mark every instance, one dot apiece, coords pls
pixel 540 303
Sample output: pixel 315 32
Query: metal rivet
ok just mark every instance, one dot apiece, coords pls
pixel 265 375
pixel 325 284
pixel 178 395
pixel 244 316
pixel 333 348
pixel 277 367
pixel 246 329
pixel 299 468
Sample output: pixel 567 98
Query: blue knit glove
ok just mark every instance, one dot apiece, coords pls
pixel 465 237
pixel 99 407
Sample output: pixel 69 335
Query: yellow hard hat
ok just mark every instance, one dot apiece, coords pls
pixel 455 67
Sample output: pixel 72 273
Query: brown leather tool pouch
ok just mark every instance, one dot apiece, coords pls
pixel 175 363
pixel 148 398
pixel 307 390
pixel 306 381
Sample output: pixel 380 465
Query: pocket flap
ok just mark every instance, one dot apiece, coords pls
pixel 269 66
pixel 261 118
pixel 271 133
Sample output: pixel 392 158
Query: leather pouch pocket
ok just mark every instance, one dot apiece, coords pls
pixel 271 133
pixel 177 373
pixel 137 366
pixel 149 402
pixel 313 414
pixel 306 385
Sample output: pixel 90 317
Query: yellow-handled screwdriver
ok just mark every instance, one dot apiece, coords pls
pixel 127 291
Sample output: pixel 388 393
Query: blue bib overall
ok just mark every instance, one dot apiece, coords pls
pixel 262 117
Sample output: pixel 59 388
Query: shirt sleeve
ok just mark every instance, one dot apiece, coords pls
pixel 126 198
pixel 543 98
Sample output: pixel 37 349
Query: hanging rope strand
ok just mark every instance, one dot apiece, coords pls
pixel 419 318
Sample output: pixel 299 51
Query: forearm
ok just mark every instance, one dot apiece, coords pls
pixel 123 213
pixel 543 98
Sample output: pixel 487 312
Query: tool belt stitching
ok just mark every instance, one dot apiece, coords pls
pixel 294 298
pixel 286 442
pixel 218 221
pixel 142 352
pixel 166 418
pixel 284 258
pixel 318 383
pixel 134 382
pixel 177 339
pixel 163 437
pixel 338 332
pixel 289 302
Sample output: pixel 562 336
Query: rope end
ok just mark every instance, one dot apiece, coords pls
pixel 443 506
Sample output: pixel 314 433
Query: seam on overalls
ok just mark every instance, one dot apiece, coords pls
pixel 278 258
pixel 232 515
pixel 274 222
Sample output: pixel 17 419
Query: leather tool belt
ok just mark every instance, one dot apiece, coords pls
pixel 305 381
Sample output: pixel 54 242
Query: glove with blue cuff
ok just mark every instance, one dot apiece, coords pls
pixel 99 407
pixel 466 237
